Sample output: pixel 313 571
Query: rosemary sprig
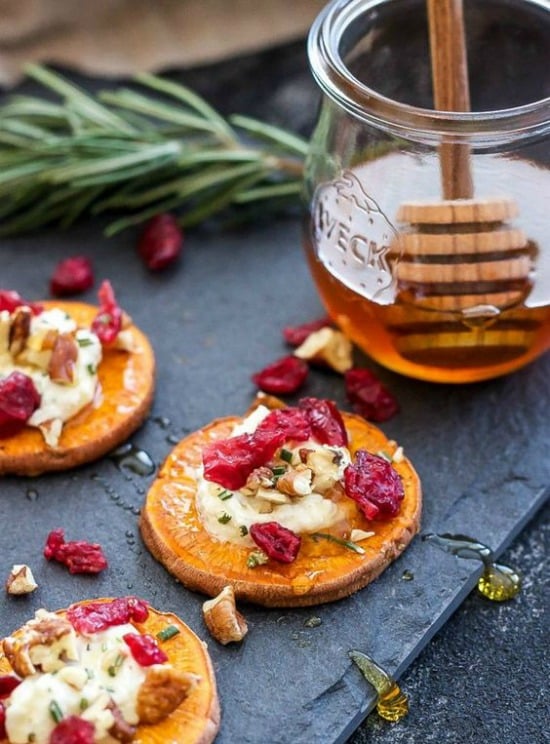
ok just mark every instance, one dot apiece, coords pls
pixel 135 154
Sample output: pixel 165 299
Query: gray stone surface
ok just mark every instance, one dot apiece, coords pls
pixel 482 452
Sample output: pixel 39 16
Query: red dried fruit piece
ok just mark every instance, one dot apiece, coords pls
pixel 374 485
pixel 296 335
pixel 285 375
pixel 144 649
pixel 160 242
pixel 108 322
pixel 10 301
pixel 229 462
pixel 368 396
pixel 292 422
pixel 94 617
pixel 277 542
pixel 73 730
pixel 325 420
pixel 19 399
pixel 72 276
pixel 78 555
pixel 3 734
pixel 8 683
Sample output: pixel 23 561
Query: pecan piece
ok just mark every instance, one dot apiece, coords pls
pixel 62 364
pixel 296 481
pixel 223 620
pixel 162 691
pixel 20 329
pixel 258 478
pixel 43 644
pixel 20 580
pixel 329 348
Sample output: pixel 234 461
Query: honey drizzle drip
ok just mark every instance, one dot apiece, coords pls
pixel 497 582
pixel 392 703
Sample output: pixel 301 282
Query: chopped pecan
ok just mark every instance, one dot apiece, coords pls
pixel 325 465
pixel 20 329
pixel 296 481
pixel 328 347
pixel 223 620
pixel 43 644
pixel 62 364
pixel 262 476
pixel 272 496
pixel 121 730
pixel 4 332
pixel 20 580
pixel 162 691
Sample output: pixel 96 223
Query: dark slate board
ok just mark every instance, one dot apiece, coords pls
pixel 481 451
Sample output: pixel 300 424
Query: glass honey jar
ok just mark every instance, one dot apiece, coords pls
pixel 440 286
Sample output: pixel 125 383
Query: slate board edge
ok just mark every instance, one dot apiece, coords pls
pixel 370 698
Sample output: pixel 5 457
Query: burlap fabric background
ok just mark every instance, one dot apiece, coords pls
pixel 119 37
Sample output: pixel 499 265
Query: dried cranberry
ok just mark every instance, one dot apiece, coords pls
pixel 3 734
pixel 73 730
pixel 368 395
pixel 8 683
pixel 10 301
pixel 94 617
pixel 374 485
pixel 276 541
pixel 296 335
pixel 19 399
pixel 325 420
pixel 292 422
pixel 72 276
pixel 229 462
pixel 285 375
pixel 160 242
pixel 144 649
pixel 78 555
pixel 108 322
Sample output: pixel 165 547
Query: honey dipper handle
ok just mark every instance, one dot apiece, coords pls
pixel 451 91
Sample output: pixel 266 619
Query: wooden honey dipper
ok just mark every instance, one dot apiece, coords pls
pixel 459 255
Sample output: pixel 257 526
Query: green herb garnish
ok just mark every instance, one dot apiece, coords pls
pixel 385 456
pixel 243 529
pixel 55 711
pixel 113 669
pixel 339 541
pixel 225 494
pixel 224 518
pixel 166 633
pixel 83 704
pixel 278 470
pixel 138 152
pixel 286 455
pixel 92 369
pixel 83 342
pixel 257 558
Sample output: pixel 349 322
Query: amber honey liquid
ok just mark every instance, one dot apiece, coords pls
pixel 403 329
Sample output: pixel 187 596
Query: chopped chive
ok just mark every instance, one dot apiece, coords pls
pixel 286 455
pixel 278 470
pixel 113 669
pixel 55 711
pixel 83 704
pixel 243 529
pixel 384 456
pixel 339 541
pixel 257 558
pixel 166 633
pixel 90 673
pixel 91 369
pixel 224 518
pixel 103 647
pixel 225 494
pixel 83 342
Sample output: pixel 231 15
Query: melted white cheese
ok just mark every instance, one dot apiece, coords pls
pixel 104 670
pixel 59 402
pixel 305 514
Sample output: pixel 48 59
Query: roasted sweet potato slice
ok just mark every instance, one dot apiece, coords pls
pixel 322 572
pixel 126 384
pixel 196 720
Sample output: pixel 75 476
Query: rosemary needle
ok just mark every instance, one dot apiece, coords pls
pixel 135 153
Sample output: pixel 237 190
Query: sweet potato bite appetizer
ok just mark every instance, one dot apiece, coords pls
pixel 105 671
pixel 291 506
pixel 75 381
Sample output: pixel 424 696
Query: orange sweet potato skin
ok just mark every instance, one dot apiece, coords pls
pixel 322 572
pixel 125 394
pixel 197 719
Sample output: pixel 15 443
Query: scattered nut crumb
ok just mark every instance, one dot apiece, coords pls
pixel 20 580
pixel 329 347
pixel 358 535
pixel 222 619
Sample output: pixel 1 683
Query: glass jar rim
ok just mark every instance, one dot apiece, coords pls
pixel 364 103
